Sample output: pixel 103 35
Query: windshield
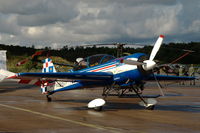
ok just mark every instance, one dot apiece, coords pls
pixel 93 61
pixel 98 59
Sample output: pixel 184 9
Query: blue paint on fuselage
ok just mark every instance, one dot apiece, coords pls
pixel 133 75
pixel 120 78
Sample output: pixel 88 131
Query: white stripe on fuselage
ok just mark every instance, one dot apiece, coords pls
pixel 123 68
pixel 114 67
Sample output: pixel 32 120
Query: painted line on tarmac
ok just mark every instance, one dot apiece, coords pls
pixel 111 129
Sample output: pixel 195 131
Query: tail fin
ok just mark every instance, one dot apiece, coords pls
pixel 48 66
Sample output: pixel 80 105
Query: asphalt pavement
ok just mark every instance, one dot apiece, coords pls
pixel 23 109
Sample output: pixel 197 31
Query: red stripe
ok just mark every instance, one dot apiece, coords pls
pixel 24 81
pixel 38 83
pixel 102 68
pixel 12 77
pixel 46 64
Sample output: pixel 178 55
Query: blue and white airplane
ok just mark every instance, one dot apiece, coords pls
pixel 127 73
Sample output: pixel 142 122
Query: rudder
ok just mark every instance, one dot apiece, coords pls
pixel 48 66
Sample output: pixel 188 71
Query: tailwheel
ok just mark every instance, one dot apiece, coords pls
pixel 49 99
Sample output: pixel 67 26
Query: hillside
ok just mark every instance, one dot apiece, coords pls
pixel 167 53
pixel 32 66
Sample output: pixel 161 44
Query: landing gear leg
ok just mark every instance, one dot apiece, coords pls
pixel 100 108
pixel 149 104
pixel 49 93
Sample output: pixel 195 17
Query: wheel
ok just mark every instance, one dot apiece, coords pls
pixel 150 107
pixel 48 98
pixel 98 108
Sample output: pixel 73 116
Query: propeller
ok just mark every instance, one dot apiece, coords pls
pixel 150 63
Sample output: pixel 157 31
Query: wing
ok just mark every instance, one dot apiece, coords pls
pixel 66 76
pixel 169 77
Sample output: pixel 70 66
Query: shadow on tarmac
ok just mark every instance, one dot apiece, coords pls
pixel 5 89
pixel 184 108
pixel 115 106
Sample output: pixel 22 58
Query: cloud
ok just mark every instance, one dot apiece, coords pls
pixel 8 25
pixel 142 21
pixel 53 12
pixel 58 22
pixel 195 26
pixel 22 7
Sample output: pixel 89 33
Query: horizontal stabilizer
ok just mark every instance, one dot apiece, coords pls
pixel 5 74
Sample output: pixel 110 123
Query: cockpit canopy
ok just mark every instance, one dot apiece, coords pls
pixel 93 61
pixel 98 59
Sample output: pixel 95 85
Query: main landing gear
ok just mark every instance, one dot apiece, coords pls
pixel 122 91
pixel 116 90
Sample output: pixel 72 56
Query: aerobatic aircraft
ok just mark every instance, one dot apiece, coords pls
pixel 119 74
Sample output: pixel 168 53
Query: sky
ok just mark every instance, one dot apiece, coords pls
pixel 57 23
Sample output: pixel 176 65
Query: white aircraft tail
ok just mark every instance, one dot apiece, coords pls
pixel 48 86
pixel 48 67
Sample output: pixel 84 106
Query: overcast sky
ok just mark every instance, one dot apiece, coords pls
pixel 56 23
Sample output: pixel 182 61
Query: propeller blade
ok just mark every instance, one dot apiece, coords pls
pixel 132 62
pixel 156 47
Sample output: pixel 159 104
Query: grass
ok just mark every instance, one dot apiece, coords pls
pixel 32 66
